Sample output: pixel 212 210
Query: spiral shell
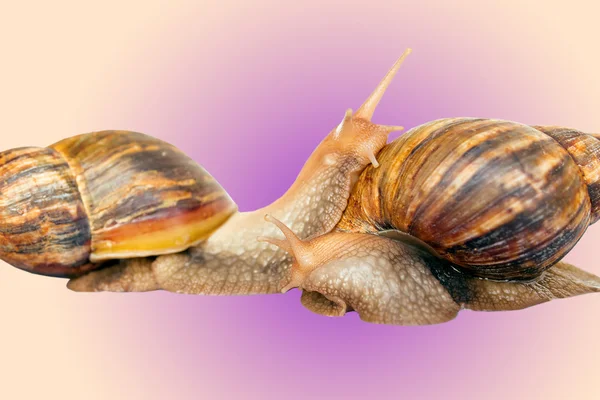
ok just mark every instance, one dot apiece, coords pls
pixel 502 200
pixel 100 196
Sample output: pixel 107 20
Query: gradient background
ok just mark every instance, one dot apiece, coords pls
pixel 248 89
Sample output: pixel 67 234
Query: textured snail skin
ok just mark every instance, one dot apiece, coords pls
pixel 391 282
pixel 396 285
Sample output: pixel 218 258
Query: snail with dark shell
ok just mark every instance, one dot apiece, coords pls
pixel 456 213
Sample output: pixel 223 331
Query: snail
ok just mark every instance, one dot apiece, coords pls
pixel 456 213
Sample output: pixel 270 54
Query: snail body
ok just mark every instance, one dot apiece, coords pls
pixel 457 213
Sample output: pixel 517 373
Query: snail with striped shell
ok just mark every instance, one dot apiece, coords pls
pixel 456 213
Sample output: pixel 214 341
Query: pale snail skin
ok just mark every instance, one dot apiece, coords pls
pixel 385 280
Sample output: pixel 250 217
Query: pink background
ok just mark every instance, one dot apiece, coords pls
pixel 248 89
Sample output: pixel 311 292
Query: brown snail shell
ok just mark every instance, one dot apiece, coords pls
pixel 103 195
pixel 503 200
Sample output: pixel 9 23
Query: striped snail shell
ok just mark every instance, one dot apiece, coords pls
pixel 502 200
pixel 100 196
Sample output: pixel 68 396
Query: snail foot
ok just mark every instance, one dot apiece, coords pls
pixel 130 275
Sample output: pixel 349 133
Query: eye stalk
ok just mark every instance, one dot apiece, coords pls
pixel 367 109
pixel 356 133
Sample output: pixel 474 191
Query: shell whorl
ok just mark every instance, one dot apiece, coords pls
pixel 43 225
pixel 503 200
pixel 585 150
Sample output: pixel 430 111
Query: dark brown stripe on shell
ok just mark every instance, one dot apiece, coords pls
pixel 128 178
pixel 585 150
pixel 430 206
pixel 43 225
pixel 530 254
pixel 486 193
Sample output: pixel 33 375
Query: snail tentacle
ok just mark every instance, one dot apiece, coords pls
pixel 367 109
pixel 383 280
